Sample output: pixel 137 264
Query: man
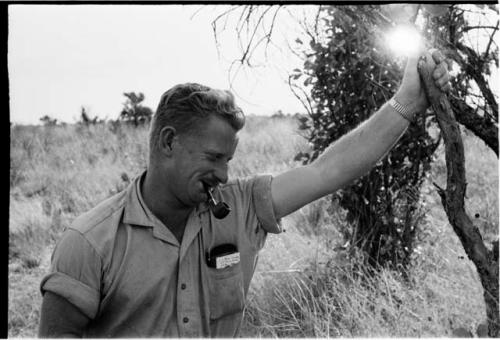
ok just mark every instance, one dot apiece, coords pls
pixel 155 261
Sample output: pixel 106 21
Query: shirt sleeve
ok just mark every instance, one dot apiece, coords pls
pixel 75 273
pixel 263 204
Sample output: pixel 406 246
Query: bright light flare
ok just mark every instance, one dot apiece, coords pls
pixel 404 40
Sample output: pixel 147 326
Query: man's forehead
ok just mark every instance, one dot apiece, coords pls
pixel 216 148
pixel 217 144
pixel 214 137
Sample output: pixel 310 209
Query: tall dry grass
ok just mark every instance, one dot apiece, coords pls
pixel 302 286
pixel 331 293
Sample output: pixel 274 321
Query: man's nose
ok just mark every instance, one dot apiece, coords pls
pixel 221 173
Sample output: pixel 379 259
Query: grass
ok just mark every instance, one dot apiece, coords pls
pixel 303 286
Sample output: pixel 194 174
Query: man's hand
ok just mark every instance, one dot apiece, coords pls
pixel 411 93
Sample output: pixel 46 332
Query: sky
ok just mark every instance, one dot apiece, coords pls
pixel 63 57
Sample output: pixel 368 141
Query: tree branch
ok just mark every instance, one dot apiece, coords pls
pixel 491 40
pixel 473 66
pixel 453 197
pixel 482 127
pixel 468 28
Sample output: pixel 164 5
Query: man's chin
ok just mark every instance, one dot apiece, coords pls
pixel 199 198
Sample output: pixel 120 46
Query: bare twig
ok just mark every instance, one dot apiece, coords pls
pixel 270 32
pixel 491 40
pixel 307 103
pixel 468 28
pixel 196 12
pixel 214 26
pixel 316 20
pixel 246 56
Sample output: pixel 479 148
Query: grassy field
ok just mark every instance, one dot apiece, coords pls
pixel 302 287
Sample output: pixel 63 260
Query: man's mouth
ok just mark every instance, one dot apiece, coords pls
pixel 207 187
pixel 219 209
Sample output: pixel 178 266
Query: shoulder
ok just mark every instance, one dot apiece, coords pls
pixel 247 192
pixel 251 198
pixel 99 224
pixel 250 186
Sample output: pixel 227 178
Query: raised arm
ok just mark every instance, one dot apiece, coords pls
pixel 358 151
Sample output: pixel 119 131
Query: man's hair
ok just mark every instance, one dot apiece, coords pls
pixel 185 106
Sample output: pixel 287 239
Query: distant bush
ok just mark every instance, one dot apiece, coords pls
pixel 133 111
pixel 48 121
pixel 86 120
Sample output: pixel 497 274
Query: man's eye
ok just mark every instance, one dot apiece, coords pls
pixel 216 158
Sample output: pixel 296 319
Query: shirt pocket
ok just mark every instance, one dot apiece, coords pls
pixel 226 291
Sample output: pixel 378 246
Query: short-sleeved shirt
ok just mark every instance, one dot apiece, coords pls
pixel 124 269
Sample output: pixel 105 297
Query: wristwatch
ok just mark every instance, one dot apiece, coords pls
pixel 402 110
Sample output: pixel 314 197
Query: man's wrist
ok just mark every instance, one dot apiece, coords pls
pixel 403 108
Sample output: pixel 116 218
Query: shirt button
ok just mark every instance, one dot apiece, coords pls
pixel 183 286
pixel 185 320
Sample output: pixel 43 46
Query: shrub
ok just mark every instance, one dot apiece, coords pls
pixel 133 111
pixel 350 78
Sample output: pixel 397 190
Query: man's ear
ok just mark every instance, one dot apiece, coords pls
pixel 167 135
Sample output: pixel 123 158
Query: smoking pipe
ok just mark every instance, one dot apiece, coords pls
pixel 218 209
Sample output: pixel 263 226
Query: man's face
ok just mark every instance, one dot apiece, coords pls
pixel 201 159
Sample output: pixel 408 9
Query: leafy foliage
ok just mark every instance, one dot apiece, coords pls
pixel 350 78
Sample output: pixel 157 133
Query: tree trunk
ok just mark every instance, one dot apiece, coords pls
pixel 486 261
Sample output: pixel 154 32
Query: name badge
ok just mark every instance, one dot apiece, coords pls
pixel 223 256
pixel 227 260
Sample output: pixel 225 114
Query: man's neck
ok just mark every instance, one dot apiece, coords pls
pixel 163 205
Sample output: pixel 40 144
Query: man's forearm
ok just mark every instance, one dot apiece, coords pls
pixel 358 151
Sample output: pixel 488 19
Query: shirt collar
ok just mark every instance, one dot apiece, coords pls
pixel 136 211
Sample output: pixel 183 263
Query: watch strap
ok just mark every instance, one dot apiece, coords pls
pixel 403 110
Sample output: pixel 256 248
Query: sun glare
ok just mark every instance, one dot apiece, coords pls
pixel 404 40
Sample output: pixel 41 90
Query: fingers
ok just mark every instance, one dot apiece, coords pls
pixel 450 64
pixel 440 74
pixel 444 86
pixel 440 71
pixel 437 55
